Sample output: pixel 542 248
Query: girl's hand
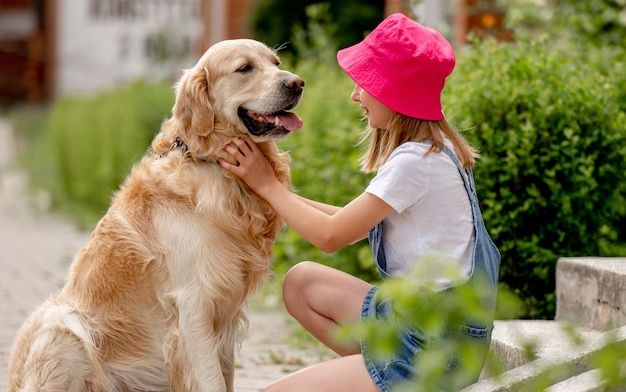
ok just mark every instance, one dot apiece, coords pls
pixel 253 167
pixel 326 227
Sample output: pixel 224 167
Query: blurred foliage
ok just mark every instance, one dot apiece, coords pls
pixel 611 362
pixel 598 22
pixel 591 22
pixel 275 22
pixel 90 143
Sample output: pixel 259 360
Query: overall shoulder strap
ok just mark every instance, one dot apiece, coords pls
pixel 466 174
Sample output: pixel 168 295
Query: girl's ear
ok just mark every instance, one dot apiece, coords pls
pixel 193 109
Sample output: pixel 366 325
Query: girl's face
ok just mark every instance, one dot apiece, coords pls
pixel 378 115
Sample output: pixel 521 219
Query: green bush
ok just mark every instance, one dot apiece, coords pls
pixel 552 176
pixel 95 141
pixel 597 21
pixel 594 22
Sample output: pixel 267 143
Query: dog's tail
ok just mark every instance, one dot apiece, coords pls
pixel 55 350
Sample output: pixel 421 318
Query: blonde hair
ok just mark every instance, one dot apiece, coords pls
pixel 402 129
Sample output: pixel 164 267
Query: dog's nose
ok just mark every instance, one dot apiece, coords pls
pixel 294 83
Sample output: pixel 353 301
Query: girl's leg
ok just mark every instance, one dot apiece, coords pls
pixel 342 374
pixel 320 298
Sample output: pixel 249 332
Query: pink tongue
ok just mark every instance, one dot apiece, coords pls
pixel 290 121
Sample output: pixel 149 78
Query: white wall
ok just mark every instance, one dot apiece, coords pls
pixel 102 43
pixel 437 14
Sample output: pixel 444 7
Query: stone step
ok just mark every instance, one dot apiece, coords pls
pixel 590 381
pixel 591 299
pixel 591 291
pixel 558 357
pixel 590 294
pixel 517 342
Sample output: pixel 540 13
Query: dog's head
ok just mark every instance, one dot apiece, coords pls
pixel 250 89
pixel 236 89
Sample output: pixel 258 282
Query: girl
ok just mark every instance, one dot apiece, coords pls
pixel 421 202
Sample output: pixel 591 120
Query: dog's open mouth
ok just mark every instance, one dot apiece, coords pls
pixel 272 125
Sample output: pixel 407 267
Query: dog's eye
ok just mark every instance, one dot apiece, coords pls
pixel 245 68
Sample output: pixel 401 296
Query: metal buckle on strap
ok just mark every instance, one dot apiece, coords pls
pixel 178 143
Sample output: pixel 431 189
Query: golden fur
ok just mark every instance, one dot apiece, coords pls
pixel 155 300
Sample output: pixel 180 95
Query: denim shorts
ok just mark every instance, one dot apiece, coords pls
pixel 391 372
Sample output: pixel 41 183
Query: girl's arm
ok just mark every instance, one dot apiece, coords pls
pixel 330 210
pixel 327 227
pixel 327 208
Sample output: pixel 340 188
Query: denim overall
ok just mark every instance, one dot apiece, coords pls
pixel 484 276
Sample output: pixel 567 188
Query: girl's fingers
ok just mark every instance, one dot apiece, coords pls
pixel 241 148
pixel 232 150
pixel 231 167
pixel 251 145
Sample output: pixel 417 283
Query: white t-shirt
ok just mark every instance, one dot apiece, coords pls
pixel 431 217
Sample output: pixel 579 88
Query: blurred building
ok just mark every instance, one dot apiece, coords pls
pixel 50 48
pixel 56 47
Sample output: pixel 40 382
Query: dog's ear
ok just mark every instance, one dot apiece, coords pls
pixel 193 109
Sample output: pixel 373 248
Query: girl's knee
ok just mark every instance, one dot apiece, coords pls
pixel 296 282
pixel 296 273
pixel 294 278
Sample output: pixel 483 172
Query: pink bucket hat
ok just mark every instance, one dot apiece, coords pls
pixel 403 65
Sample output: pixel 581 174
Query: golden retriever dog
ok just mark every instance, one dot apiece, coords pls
pixel 155 301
